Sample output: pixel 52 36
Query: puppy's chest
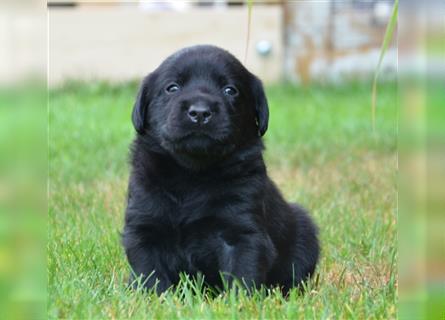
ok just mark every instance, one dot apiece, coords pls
pixel 190 202
pixel 190 205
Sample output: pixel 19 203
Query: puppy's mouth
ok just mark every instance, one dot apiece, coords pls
pixel 193 140
pixel 196 142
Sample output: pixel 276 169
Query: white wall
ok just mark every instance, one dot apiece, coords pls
pixel 123 43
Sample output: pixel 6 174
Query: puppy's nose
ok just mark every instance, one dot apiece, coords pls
pixel 199 113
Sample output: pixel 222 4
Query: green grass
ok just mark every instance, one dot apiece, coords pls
pixel 321 151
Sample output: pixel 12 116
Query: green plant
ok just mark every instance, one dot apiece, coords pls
pixel 386 42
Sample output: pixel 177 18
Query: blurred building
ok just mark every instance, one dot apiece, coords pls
pixel 300 41
pixel 335 40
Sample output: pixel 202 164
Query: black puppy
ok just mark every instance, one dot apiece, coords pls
pixel 199 198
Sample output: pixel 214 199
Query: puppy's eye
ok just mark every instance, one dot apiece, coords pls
pixel 230 91
pixel 172 88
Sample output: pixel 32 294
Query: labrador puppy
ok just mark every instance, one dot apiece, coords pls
pixel 199 197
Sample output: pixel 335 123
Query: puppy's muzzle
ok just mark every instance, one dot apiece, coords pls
pixel 199 113
pixel 200 109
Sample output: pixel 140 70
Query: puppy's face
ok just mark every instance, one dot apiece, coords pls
pixel 201 102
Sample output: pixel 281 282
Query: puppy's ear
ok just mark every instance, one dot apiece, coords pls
pixel 261 106
pixel 141 105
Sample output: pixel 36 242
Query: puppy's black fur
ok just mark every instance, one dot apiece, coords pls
pixel 199 197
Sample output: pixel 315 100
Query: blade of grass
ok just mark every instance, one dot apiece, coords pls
pixel 386 41
pixel 249 18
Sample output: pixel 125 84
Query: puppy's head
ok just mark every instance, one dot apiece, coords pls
pixel 201 101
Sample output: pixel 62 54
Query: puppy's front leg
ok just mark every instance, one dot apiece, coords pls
pixel 145 260
pixel 248 259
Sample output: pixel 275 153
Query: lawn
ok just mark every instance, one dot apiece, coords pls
pixel 320 150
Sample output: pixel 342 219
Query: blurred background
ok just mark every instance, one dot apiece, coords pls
pixel 300 41
pixel 67 65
